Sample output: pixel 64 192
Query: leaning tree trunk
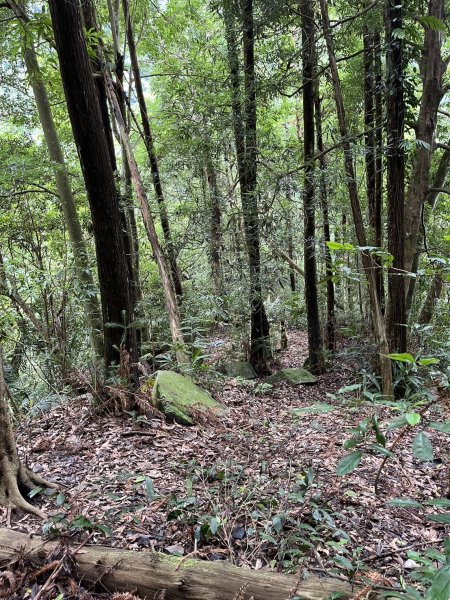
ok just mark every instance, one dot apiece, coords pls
pixel 396 313
pixel 93 149
pixel 16 480
pixel 152 158
pixel 368 263
pixel 315 358
pixel 164 272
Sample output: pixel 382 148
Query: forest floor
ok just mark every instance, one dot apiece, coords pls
pixel 257 488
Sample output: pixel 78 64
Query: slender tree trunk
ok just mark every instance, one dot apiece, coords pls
pixel 90 138
pixel 315 359
pixel 439 180
pixel 432 69
pixel 153 161
pixel 378 205
pixel 396 317
pixel 16 480
pixel 80 254
pixel 368 264
pixel 215 243
pixel 330 326
pixel 246 151
pixel 434 293
pixel 169 293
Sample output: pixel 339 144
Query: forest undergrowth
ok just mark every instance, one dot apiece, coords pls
pixel 258 489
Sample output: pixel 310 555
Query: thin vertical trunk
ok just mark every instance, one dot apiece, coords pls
pixel 246 151
pixel 315 360
pixel 395 105
pixel 80 254
pixel 169 293
pixel 378 206
pixel 368 264
pixel 330 326
pixel 434 293
pixel 153 161
pixel 92 144
pixel 215 243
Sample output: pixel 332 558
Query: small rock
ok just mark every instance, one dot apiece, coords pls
pixel 410 564
pixel 176 550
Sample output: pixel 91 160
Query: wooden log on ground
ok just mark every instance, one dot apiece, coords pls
pixel 149 573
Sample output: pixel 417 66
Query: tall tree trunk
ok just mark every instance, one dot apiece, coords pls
pixel 153 161
pixel 396 314
pixel 164 272
pixel 368 264
pixel 80 254
pixel 246 151
pixel 437 185
pixel 432 70
pixel 315 358
pixel 16 480
pixel 378 205
pixel 434 293
pixel 331 309
pixel 215 243
pixel 90 138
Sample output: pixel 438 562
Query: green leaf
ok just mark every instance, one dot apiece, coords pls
pixel 315 409
pixel 403 357
pixel 439 502
pixel 398 34
pixel 424 362
pixel 34 492
pixel 381 450
pixel 405 503
pixel 440 518
pixel 277 523
pixel 422 448
pixel 440 587
pixel 412 418
pixel 338 246
pixel 60 499
pixel 433 23
pixel 400 421
pixel 378 434
pixel 149 489
pixel 343 562
pixel 214 525
pixel 348 463
pixel 444 427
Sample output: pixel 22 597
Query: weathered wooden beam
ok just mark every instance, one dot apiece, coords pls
pixel 149 573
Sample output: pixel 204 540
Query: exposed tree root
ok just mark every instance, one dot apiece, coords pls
pixel 15 481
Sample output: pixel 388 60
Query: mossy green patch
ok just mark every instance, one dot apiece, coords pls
pixel 179 398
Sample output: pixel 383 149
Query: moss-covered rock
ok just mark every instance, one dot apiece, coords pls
pixel 179 398
pixel 239 368
pixel 292 376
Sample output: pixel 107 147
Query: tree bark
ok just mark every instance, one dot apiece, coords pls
pixel 153 161
pixel 246 152
pixel 315 355
pixel 164 272
pixel 215 241
pixel 395 105
pixel 16 480
pixel 80 254
pixel 434 293
pixel 90 138
pixel 368 263
pixel 432 70
pixel 154 574
pixel 331 309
